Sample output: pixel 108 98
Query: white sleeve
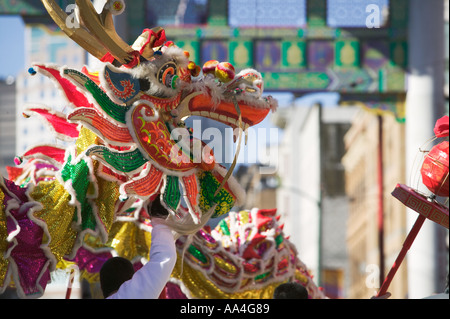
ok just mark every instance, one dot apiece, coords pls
pixel 149 281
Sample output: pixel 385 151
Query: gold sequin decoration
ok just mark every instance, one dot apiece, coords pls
pixel 129 241
pixel 93 242
pixel 226 266
pixel 108 191
pixel 108 194
pixel 244 217
pixel 4 263
pixel 64 264
pixel 202 288
pixel 85 139
pixel 301 277
pixel 57 215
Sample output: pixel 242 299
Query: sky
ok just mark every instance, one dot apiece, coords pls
pixel 12 54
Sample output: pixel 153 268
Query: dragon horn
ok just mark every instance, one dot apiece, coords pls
pixel 79 35
pixel 102 27
pixel 97 35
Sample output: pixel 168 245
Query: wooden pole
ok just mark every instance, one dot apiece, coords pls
pixel 406 245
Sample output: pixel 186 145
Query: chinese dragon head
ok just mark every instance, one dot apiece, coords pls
pixel 127 144
pixel 135 105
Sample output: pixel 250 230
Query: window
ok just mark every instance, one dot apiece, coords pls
pixel 357 13
pixel 267 13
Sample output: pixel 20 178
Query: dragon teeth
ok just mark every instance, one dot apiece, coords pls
pixel 231 120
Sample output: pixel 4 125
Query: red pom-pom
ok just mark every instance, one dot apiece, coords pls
pixel 441 128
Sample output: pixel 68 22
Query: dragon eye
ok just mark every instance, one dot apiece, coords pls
pixel 167 72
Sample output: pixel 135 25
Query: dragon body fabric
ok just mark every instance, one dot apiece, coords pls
pixel 245 256
pixel 127 144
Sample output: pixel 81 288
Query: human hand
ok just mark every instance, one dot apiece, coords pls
pixel 385 296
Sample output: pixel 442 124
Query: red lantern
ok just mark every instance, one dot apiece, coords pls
pixel 435 170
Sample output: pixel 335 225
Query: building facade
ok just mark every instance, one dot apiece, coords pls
pixel 7 123
pixel 362 187
pixel 261 189
pixel 44 44
pixel 311 195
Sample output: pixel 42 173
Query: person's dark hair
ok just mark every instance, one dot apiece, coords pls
pixel 157 209
pixel 114 272
pixel 290 290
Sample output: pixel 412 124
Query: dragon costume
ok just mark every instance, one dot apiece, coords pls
pixel 127 144
pixel 245 256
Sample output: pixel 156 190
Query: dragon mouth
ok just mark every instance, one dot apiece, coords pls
pixel 200 104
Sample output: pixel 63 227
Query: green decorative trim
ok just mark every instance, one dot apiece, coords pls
pixel 262 277
pixel 197 254
pixel 224 226
pixel 208 186
pixel 77 75
pixel 172 194
pixel 114 110
pixel 87 216
pixel 79 175
pixel 25 182
pixel 124 162
pixel 279 240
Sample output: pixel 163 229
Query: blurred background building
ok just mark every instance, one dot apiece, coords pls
pixel 7 122
pixel 368 241
pixel 349 127
pixel 312 188
pixel 43 44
